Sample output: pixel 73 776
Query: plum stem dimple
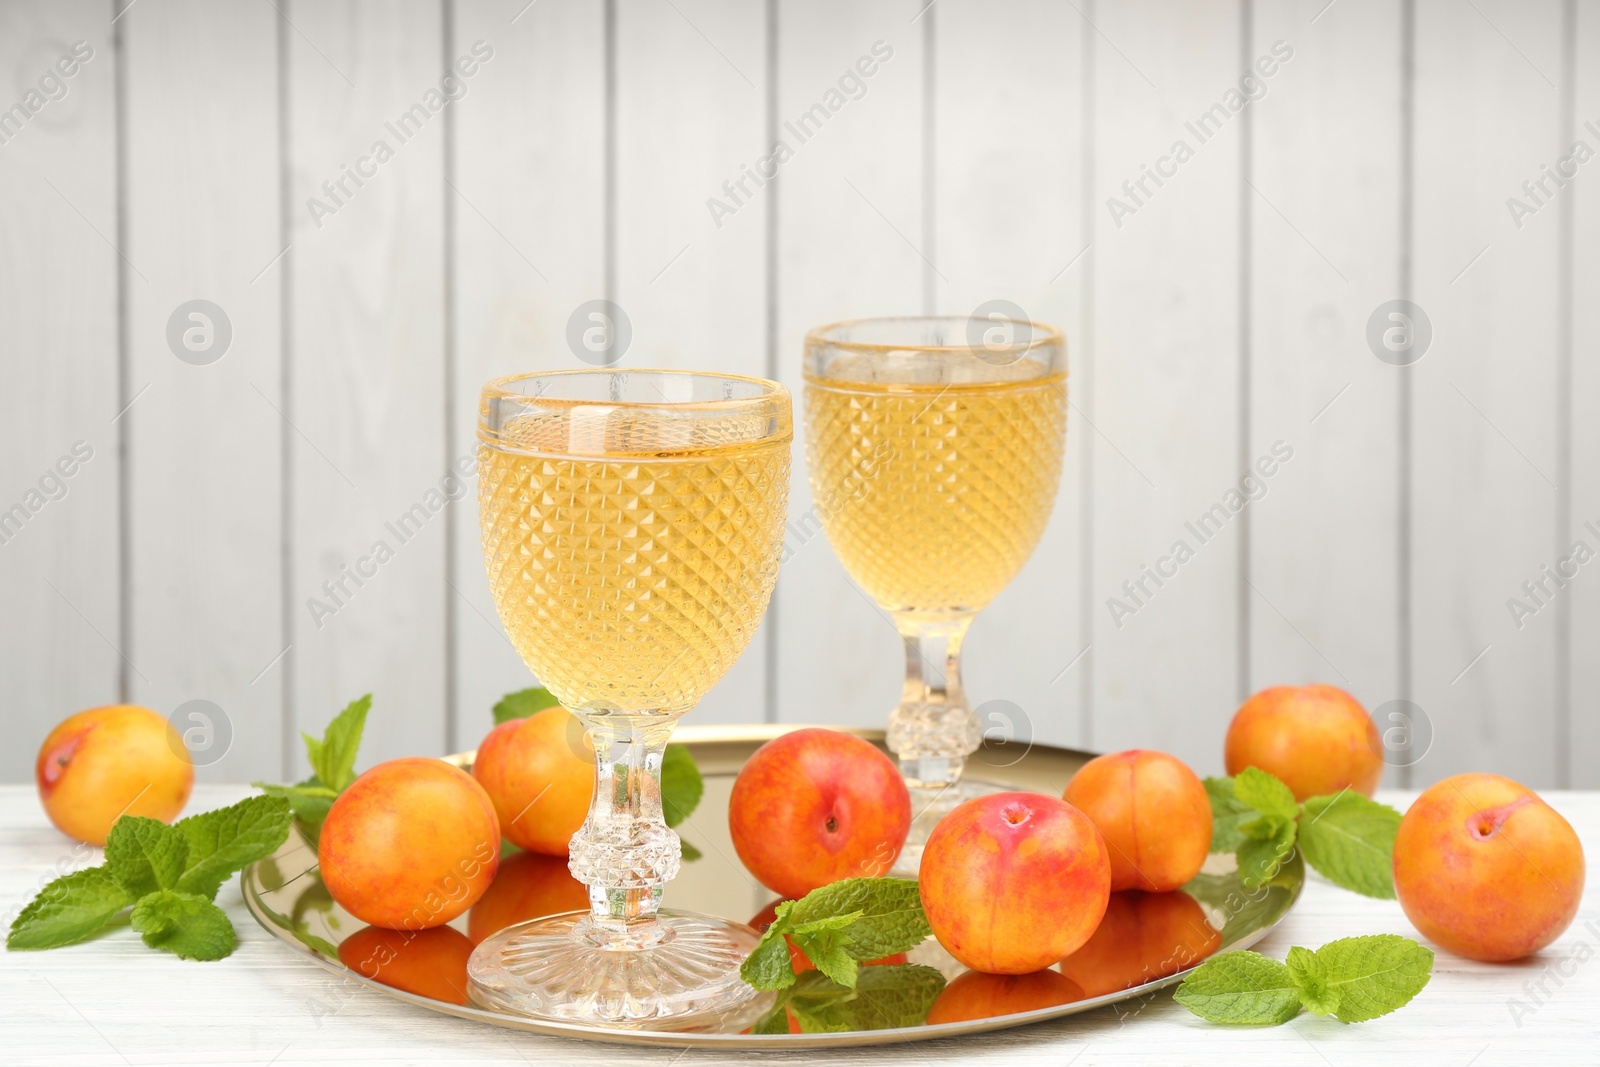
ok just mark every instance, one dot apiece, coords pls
pixel 832 825
pixel 1015 814
pixel 1487 822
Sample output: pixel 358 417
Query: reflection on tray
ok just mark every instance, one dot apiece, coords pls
pixel 1145 939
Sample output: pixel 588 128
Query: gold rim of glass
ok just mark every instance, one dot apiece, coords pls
pixel 770 393
pixel 975 352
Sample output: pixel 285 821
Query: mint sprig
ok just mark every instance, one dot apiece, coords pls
pixel 1346 837
pixel 168 874
pixel 333 765
pixel 838 927
pixel 1353 979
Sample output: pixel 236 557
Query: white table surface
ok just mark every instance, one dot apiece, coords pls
pixel 113 1001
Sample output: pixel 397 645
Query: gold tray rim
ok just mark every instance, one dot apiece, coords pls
pixel 712 734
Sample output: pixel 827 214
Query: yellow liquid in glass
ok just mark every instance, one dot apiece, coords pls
pixel 934 496
pixel 630 581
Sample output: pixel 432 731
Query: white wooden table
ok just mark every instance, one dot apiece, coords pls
pixel 113 1001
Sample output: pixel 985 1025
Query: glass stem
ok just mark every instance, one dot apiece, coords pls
pixel 933 731
pixel 625 852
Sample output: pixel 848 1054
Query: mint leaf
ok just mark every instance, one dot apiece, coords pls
pixel 890 919
pixel 1260 857
pixel 185 924
pixel 228 839
pixel 768 965
pixel 681 784
pixel 884 998
pixel 333 759
pixel 775 1021
pixel 838 926
pixel 310 801
pixel 1263 827
pixel 1372 976
pixel 521 704
pixel 1316 994
pixel 310 788
pixel 145 855
pixel 1349 839
pixel 1241 988
pixel 1227 813
pixel 1268 795
pixel 827 944
pixel 310 808
pixel 68 910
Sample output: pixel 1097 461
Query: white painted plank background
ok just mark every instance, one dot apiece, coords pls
pixel 1325 247
pixel 205 478
pixel 1218 318
pixel 1484 442
pixel 369 372
pixel 1166 359
pixel 58 349
pixel 1583 670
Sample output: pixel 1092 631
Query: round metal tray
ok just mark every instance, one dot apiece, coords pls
pixel 286 895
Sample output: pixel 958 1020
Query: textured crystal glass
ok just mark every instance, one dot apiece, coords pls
pixel 632 522
pixel 934 449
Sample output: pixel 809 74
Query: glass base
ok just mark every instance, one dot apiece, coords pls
pixel 929 804
pixel 680 973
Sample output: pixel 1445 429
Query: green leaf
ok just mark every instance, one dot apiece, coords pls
pixel 768 966
pixel 891 916
pixel 884 998
pixel 1242 988
pixel 1268 795
pixel 1316 995
pixel 1349 839
pixel 1263 828
pixel 333 759
pixel 829 953
pixel 775 1021
pixel 1245 910
pixel 68 910
pixel 185 924
pixel 310 808
pixel 310 788
pixel 521 704
pixel 1260 858
pixel 681 784
pixel 690 853
pixel 827 944
pixel 838 926
pixel 145 854
pixel 1373 975
pixel 1227 813
pixel 226 840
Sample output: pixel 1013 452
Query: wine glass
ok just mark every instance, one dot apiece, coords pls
pixel 934 447
pixel 632 523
